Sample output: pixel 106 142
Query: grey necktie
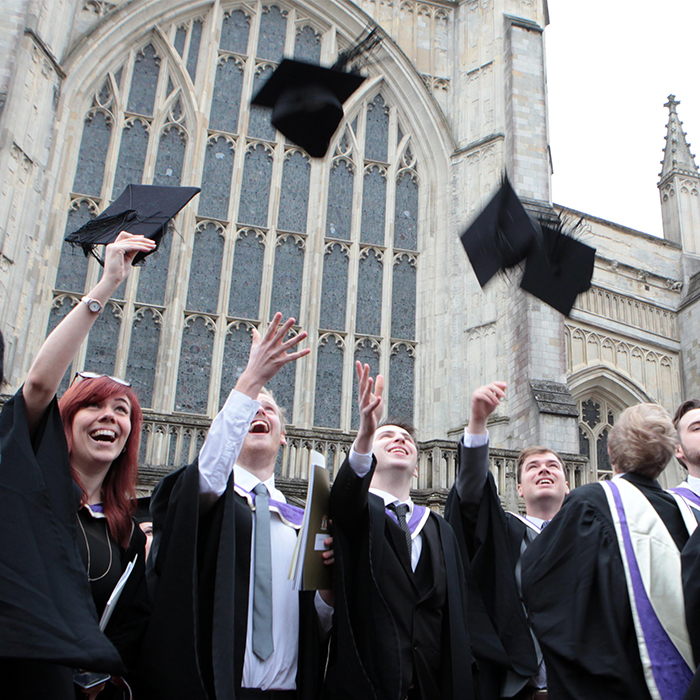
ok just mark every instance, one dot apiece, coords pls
pixel 401 510
pixel 262 589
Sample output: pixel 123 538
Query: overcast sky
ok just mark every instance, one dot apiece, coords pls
pixel 611 65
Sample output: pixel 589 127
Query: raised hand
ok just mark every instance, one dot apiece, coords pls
pixel 485 399
pixel 120 254
pixel 371 404
pixel 268 354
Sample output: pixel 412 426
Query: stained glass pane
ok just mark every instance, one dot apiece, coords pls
pixel 602 452
pixel 226 100
pixel 366 354
pixel 369 295
pixel 584 444
pixel 246 278
pixel 73 265
pixel 294 194
pixel 143 355
pixel 335 284
pixel 329 372
pixel 236 351
pixel 180 37
pixel 132 156
pixel 590 411
pixel 403 299
pixel 406 214
pixel 205 270
pixel 401 371
pixel 255 193
pixel 377 136
pixel 339 215
pixel 103 341
pixel 195 363
pixel 282 386
pixel 307 46
pixel 373 207
pixel 273 30
pixel 171 154
pixel 259 124
pixel 144 82
pixel 93 153
pixel 234 32
pixel 154 274
pixel 193 54
pixel 216 179
pixel 59 311
pixel 288 273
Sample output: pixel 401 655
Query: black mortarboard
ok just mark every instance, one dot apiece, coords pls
pixel 143 509
pixel 558 270
pixel 140 209
pixel 501 236
pixel 307 102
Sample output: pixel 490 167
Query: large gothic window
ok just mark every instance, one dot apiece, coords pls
pixel 596 417
pixel 334 242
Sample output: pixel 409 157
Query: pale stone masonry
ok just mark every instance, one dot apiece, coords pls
pixel 456 95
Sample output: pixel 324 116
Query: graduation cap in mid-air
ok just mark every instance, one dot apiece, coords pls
pixel 307 99
pixel 140 209
pixel 501 236
pixel 558 267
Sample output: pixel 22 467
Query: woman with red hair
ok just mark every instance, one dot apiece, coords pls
pixel 68 478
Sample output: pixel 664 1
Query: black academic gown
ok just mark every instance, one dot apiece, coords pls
pixel 46 608
pixel 199 572
pixel 576 594
pixel 491 541
pixel 365 659
pixel 690 561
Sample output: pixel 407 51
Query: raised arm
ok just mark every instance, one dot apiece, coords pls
pixel 473 449
pixel 62 345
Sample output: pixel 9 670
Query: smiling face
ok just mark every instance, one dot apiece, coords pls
pixel 395 449
pixel 267 429
pixel 542 479
pixel 100 431
pixel 688 451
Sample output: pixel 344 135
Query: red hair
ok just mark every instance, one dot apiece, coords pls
pixel 119 486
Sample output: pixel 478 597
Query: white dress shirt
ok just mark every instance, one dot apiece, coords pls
pixel 216 461
pixel 361 464
pixel 693 484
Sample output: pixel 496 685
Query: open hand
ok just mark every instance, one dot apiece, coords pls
pixel 485 400
pixel 268 354
pixel 121 253
pixel 371 405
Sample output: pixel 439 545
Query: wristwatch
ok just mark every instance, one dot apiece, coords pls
pixel 92 304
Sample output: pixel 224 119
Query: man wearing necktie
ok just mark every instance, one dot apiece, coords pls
pixel 241 631
pixel 493 541
pixel 400 622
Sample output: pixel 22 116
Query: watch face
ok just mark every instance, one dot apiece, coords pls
pixel 94 306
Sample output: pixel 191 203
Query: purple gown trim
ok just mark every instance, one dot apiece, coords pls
pixel 671 673
pixel 292 514
pixel 415 522
pixel 688 494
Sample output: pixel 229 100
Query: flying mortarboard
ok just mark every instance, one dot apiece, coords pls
pixel 559 270
pixel 307 99
pixel 140 209
pixel 501 236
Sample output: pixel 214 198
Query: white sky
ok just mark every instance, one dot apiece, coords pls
pixel 610 66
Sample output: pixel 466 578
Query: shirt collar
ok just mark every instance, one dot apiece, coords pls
pixel 534 520
pixel 694 483
pixel 248 481
pixel 389 498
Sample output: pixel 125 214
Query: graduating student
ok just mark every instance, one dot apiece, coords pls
pixel 67 493
pixel 399 629
pixel 602 583
pixel 226 621
pixel 687 423
pixel 690 562
pixel 493 541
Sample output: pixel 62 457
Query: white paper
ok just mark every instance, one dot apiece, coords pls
pixel 320 542
pixel 114 598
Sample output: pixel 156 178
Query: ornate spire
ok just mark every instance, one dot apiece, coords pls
pixel 678 160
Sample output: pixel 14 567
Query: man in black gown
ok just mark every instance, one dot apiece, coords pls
pixel 226 621
pixel 399 629
pixel 614 548
pixel 493 542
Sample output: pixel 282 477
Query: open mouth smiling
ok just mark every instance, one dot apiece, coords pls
pixel 545 481
pixel 259 426
pixel 103 435
pixel 399 450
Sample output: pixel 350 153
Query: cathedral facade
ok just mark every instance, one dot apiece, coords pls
pixel 361 247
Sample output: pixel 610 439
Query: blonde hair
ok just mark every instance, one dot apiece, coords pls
pixel 642 440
